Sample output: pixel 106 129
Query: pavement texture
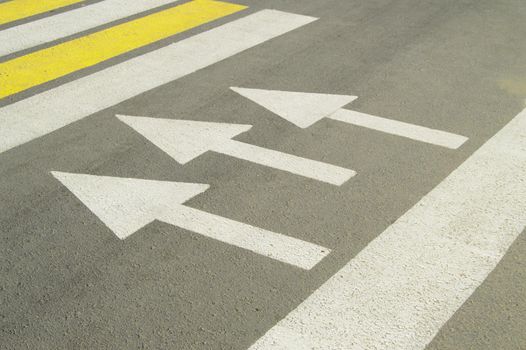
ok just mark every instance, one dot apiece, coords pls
pixel 67 282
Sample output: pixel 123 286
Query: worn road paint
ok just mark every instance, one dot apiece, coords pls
pixel 38 67
pixel 62 25
pixel 185 140
pixel 399 290
pixel 41 114
pixel 14 10
pixel 305 109
pixel 127 205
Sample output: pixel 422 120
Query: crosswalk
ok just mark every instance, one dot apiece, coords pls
pixel 49 78
pixel 62 25
pixel 38 115
pixel 38 67
pixel 183 140
pixel 14 10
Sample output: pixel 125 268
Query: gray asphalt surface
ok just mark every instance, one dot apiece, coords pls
pixel 67 282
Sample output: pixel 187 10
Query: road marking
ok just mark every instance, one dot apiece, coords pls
pixel 305 109
pixel 185 140
pixel 395 127
pixel 39 115
pixel 300 109
pixel 36 68
pixel 56 27
pixel 399 290
pixel 14 10
pixel 127 205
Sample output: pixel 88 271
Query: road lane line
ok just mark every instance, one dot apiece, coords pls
pixel 41 114
pixel 17 9
pixel 38 67
pixel 56 27
pixel 399 291
pixel 395 127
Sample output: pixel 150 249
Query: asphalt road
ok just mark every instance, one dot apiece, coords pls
pixel 67 282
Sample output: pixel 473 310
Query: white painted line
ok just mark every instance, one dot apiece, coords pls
pixel 273 245
pixel 68 23
pixel 304 109
pixel 185 140
pixel 313 169
pixel 39 115
pixel 399 291
pixel 395 127
pixel 126 205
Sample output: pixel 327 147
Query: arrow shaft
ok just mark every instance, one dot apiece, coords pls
pixel 297 165
pixel 394 127
pixel 270 244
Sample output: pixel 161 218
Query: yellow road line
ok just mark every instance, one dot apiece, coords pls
pixel 48 64
pixel 17 9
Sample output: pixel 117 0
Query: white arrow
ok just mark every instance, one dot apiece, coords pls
pixel 185 140
pixel 305 109
pixel 127 205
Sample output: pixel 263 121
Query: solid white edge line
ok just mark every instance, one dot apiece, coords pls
pixel 68 23
pixel 53 109
pixel 399 291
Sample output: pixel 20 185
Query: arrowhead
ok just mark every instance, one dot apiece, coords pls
pixel 184 140
pixel 299 108
pixel 126 205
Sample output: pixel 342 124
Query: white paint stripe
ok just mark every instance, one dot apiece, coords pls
pixel 283 248
pixel 39 115
pixel 68 23
pixel 394 127
pixel 399 291
pixel 328 173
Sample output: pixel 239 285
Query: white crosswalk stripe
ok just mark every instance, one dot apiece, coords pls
pixel 71 22
pixel 400 289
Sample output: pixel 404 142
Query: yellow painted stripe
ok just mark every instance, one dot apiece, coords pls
pixel 45 65
pixel 17 9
